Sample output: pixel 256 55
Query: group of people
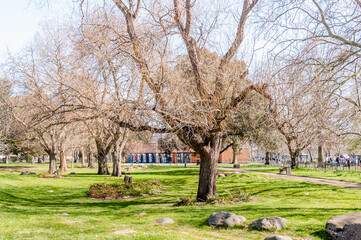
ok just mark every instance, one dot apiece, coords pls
pixel 342 161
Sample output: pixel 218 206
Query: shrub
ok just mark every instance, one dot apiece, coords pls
pixel 120 190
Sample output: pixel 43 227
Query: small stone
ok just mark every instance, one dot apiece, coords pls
pixel 63 214
pixel 124 231
pixel 225 219
pixel 27 173
pixel 140 214
pixel 50 191
pixel 164 221
pixel 72 173
pixel 269 223
pixel 278 237
pixel 221 175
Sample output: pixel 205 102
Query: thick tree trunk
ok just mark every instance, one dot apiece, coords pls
pixel 267 159
pixel 320 158
pixel 102 165
pixel 208 169
pixel 117 165
pixel 294 156
pixel 63 167
pixel 52 163
pixel 90 158
pixel 235 150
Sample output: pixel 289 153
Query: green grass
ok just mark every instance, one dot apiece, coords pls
pixel 351 176
pixel 29 211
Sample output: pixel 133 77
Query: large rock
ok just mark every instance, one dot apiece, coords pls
pixel 278 237
pixel 225 219
pixel 269 223
pixel 345 227
pixel 27 173
pixel 165 221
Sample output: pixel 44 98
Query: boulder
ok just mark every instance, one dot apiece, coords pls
pixel 278 237
pixel 225 219
pixel 27 173
pixel 268 223
pixel 345 227
pixel 164 221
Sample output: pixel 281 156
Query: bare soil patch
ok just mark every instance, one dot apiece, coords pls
pixel 18 168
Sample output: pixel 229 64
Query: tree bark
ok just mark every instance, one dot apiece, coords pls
pixel 90 158
pixel 102 161
pixel 235 151
pixel 63 167
pixel 267 159
pixel 320 158
pixel 294 156
pixel 208 169
pixel 52 163
pixel 117 166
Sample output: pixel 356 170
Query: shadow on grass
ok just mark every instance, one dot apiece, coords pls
pixel 322 234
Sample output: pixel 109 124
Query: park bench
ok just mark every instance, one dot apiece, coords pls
pixel 287 169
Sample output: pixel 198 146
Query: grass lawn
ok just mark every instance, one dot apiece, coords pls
pixel 29 211
pixel 351 176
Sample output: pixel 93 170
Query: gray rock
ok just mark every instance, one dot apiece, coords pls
pixel 345 227
pixel 164 221
pixel 225 219
pixel 268 223
pixel 140 214
pixel 72 173
pixel 27 173
pixel 221 175
pixel 278 237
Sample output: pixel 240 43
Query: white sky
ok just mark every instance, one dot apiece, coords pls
pixel 19 21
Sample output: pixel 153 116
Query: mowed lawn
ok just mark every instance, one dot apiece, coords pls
pixel 342 175
pixel 29 211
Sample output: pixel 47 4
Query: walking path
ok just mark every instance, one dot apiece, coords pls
pixel 300 178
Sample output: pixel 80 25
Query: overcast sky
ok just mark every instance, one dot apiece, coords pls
pixel 20 19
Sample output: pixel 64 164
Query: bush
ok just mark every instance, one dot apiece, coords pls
pixel 121 190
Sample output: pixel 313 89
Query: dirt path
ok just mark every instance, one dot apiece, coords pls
pixel 300 178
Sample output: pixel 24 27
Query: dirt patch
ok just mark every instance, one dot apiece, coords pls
pixel 18 168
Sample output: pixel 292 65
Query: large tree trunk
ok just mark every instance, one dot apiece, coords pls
pixel 117 165
pixel 294 156
pixel 52 163
pixel 235 151
pixel 320 158
pixel 90 158
pixel 102 161
pixel 208 169
pixel 267 159
pixel 63 167
pixel 102 164
pixel 82 157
